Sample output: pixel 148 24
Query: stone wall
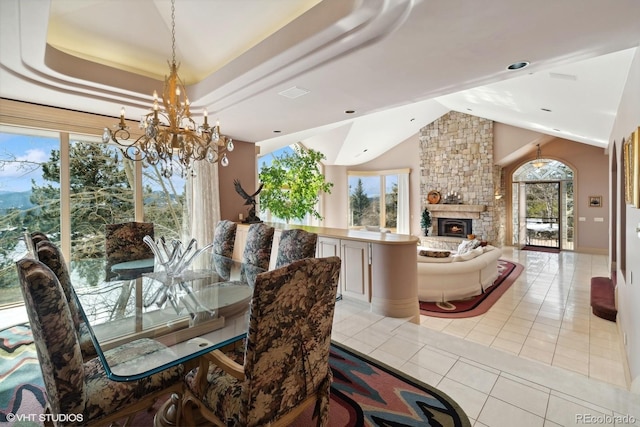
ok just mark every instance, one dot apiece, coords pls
pixel 456 154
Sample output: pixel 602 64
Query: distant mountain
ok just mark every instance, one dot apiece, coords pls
pixel 15 199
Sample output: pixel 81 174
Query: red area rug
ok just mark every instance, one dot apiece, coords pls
pixel 479 304
pixel 364 392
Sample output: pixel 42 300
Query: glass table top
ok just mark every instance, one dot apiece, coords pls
pixel 204 308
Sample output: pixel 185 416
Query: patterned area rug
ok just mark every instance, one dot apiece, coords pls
pixel 479 304
pixel 364 392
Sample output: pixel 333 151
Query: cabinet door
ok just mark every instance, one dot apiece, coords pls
pixel 355 270
pixel 327 246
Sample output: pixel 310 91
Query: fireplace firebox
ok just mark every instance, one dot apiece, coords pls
pixel 454 227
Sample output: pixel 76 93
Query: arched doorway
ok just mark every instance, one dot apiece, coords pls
pixel 542 205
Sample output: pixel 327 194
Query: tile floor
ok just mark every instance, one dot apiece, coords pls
pixel 537 358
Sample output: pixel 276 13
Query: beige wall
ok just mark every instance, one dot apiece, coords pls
pixel 242 166
pixel 590 166
pixel 625 237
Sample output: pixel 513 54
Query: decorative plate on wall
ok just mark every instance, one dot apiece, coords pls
pixel 433 197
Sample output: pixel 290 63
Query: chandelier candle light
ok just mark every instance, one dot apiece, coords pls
pixel 171 135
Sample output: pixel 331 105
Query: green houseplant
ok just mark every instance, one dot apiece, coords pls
pixel 425 222
pixel 293 184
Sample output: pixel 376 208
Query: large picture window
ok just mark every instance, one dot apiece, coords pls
pixel 379 199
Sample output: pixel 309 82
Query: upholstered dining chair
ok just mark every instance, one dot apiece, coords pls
pixel 284 367
pixel 123 242
pixel 51 256
pixel 257 250
pixel 224 239
pixel 38 236
pixel 75 387
pixel 295 244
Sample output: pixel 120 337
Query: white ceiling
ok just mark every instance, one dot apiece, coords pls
pixel 400 64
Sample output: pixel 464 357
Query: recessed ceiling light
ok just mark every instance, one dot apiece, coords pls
pixel 349 111
pixel 518 65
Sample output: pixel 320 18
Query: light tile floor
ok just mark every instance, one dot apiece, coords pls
pixel 537 358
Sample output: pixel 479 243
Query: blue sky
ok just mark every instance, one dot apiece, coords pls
pixel 23 148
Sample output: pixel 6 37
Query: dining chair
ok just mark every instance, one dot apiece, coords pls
pixel 224 239
pixel 257 250
pixel 123 242
pixel 283 366
pixel 295 244
pixel 38 236
pixel 51 256
pixel 80 392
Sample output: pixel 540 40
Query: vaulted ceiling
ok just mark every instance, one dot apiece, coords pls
pixel 283 71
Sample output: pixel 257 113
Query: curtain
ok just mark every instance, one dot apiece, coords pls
pixel 403 226
pixel 203 202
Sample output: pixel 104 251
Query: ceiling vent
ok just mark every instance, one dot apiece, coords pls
pixel 293 92
pixel 562 76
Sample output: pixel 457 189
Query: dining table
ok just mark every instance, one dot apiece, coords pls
pixel 202 309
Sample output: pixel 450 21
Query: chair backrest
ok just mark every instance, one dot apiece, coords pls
pixel 224 238
pixel 37 237
pixel 54 336
pixel 51 256
pixel 294 245
pixel 287 353
pixel 123 242
pixel 257 250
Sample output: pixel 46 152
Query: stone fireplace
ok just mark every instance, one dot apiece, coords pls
pixel 456 155
pixel 455 227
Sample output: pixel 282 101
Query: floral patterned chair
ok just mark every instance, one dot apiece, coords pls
pixel 38 236
pixel 285 367
pixel 257 250
pixel 123 242
pixel 294 245
pixel 73 386
pixel 51 256
pixel 224 239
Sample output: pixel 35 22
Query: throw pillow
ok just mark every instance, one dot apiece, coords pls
pixel 434 254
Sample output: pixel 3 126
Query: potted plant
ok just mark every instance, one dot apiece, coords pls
pixel 425 222
pixel 293 184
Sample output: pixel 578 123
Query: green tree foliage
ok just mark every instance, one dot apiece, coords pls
pixel 391 207
pixel 425 221
pixel 360 203
pixel 293 184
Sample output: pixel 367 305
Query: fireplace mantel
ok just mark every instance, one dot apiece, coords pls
pixel 456 211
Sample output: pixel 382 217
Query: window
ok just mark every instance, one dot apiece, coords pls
pixel 29 197
pixel 379 198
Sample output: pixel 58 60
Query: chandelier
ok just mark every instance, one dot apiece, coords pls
pixel 539 161
pixel 171 136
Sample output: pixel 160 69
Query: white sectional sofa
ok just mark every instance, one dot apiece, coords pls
pixel 456 276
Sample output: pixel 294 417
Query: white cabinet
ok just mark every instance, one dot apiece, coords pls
pixel 355 271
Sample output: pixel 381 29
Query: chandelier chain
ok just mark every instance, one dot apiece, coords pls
pixel 173 31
